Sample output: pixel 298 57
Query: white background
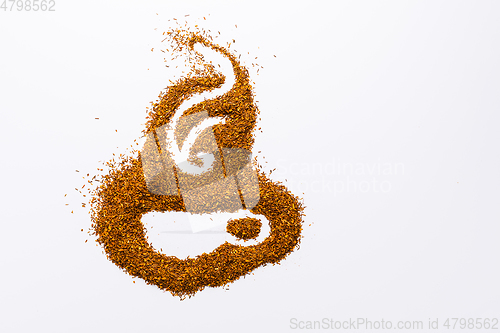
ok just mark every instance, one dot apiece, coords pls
pixel 403 92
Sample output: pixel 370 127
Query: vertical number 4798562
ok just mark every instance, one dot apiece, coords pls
pixel 28 5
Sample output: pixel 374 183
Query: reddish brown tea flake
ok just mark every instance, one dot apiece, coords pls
pixel 122 197
pixel 245 228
